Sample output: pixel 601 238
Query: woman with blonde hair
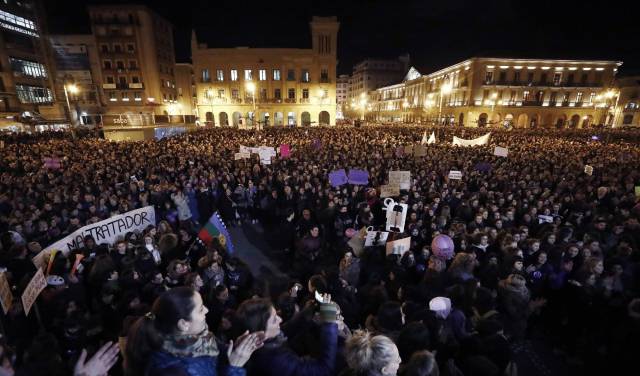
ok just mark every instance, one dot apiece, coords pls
pixel 462 266
pixel 369 355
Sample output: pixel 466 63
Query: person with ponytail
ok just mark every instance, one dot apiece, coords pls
pixel 173 339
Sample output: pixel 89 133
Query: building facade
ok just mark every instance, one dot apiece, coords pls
pixel 137 60
pixel 508 92
pixel 186 85
pixel 628 108
pixel 78 69
pixel 269 86
pixel 342 88
pixel 27 76
pixel 371 74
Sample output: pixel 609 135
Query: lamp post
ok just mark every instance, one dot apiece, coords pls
pixel 251 88
pixel 444 89
pixel 73 89
pixel 363 104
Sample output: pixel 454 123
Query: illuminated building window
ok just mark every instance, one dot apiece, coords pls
pixel 205 75
pixel 525 96
pixel 27 68
pixel 592 96
pixel 33 94
pixel 276 74
pixel 235 93
pixel 220 75
pixel 220 93
pixel 579 97
pixel 305 77
pixel 234 75
pixel 262 74
pixel 16 23
pixel 305 93
pixel 557 77
pixel 248 75
pixel 488 77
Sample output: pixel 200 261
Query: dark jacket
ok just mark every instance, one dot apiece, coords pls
pixel 278 360
pixel 162 363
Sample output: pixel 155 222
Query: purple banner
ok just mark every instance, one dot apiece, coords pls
pixel 337 178
pixel 358 177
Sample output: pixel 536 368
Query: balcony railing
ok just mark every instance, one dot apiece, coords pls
pixel 290 100
pixel 135 85
pixel 109 86
pixel 305 100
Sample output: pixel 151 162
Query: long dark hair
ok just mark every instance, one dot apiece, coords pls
pixel 146 334
pixel 253 314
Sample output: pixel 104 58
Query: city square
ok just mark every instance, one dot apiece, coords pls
pixel 339 194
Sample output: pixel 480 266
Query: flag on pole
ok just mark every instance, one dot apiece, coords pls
pixel 215 228
pixel 424 138
pixel 432 138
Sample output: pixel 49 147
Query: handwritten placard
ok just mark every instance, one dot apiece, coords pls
pixel 389 190
pixel 34 288
pixel 588 170
pixel 400 178
pixel 238 156
pixel 398 247
pixel 455 175
pixel 500 151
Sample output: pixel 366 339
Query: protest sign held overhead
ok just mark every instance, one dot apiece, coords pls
pixel 6 297
pixel 285 151
pixel 455 175
pixel 389 191
pixel 375 238
pixel 358 177
pixel 500 151
pixel 482 140
pixel 338 178
pixel 398 247
pixel 400 178
pixel 34 288
pixel 588 170
pixel 396 215
pixel 238 156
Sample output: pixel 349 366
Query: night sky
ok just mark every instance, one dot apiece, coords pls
pixel 434 33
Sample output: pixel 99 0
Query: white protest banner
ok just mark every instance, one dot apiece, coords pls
pixel 375 238
pixel 389 191
pixel 245 149
pixel 455 175
pixel 482 140
pixel 242 156
pixel 34 288
pixel 254 150
pixel 588 170
pixel 103 232
pixel 6 297
pixel 500 151
pixel 545 218
pixel 399 247
pixel 396 215
pixel 400 178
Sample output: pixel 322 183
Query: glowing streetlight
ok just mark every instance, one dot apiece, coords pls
pixel 444 89
pixel 73 89
pixel 251 88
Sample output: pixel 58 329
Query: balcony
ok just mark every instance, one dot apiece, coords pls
pixel 305 100
pixel 531 103
pixel 324 80
pixel 290 100
pixel 109 86
pixel 136 85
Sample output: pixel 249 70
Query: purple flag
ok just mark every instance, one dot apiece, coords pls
pixel 483 166
pixel 52 163
pixel 337 178
pixel 358 177
pixel 317 144
pixel 285 151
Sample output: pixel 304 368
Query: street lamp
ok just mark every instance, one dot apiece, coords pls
pixel 363 104
pixel 251 88
pixel 73 89
pixel 444 89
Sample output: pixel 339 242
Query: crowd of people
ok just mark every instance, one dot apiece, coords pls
pixel 542 251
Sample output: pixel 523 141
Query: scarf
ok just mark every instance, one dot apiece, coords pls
pixel 191 345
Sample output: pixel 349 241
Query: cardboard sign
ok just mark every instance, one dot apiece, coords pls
pixel 408 149
pixel 375 238
pixel 455 175
pixel 544 218
pixel 398 247
pixel 420 151
pixel 500 151
pixel 238 156
pixel 338 178
pixel 389 191
pixel 6 297
pixel 34 288
pixel 637 190
pixel 588 170
pixel 396 215
pixel 400 178
pixel 358 177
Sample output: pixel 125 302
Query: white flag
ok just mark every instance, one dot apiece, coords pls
pixel 424 138
pixel 432 138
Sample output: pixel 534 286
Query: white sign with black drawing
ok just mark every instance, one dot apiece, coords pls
pixel 396 215
pixel 375 238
